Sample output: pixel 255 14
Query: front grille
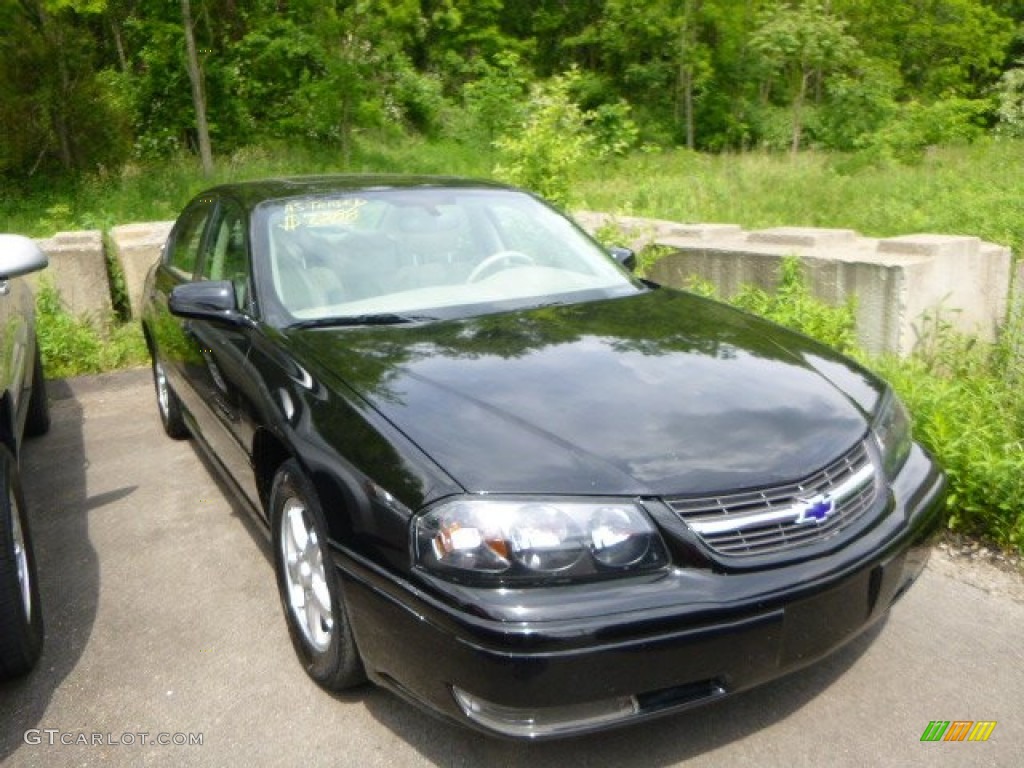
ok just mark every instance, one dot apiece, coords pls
pixel 772 520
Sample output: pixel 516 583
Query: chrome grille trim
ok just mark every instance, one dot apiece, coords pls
pixel 765 521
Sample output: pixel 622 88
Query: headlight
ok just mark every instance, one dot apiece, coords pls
pixel 503 541
pixel 892 432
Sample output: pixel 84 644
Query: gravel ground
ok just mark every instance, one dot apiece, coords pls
pixel 982 566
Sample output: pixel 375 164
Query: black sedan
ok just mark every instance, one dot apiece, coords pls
pixel 507 479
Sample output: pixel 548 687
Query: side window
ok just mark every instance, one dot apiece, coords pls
pixel 184 250
pixel 227 256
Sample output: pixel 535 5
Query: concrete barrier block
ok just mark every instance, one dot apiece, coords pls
pixel 704 232
pixel 961 279
pixel 136 248
pixel 804 237
pixel 642 232
pixel 897 283
pixel 930 245
pixel 78 269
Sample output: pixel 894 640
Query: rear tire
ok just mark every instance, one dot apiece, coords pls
pixel 38 420
pixel 167 403
pixel 21 618
pixel 309 585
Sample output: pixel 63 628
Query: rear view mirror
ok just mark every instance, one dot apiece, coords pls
pixel 625 256
pixel 20 255
pixel 206 300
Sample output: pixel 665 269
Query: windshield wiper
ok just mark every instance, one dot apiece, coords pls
pixel 378 318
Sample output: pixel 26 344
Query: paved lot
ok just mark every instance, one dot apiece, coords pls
pixel 162 617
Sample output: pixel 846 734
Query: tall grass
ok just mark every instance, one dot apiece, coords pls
pixel 158 191
pixel 970 190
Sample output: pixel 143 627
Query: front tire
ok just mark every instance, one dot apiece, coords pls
pixel 21 618
pixel 309 585
pixel 167 403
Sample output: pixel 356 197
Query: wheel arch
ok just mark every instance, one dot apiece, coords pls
pixel 341 495
pixel 268 454
pixel 8 429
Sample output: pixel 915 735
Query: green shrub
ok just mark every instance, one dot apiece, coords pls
pixel 964 396
pixel 916 127
pixel 793 305
pixel 73 346
pixel 543 153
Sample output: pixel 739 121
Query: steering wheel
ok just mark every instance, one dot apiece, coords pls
pixel 500 260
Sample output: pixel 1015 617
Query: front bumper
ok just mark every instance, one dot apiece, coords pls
pixel 551 662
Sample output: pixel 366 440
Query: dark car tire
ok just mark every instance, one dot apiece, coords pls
pixel 168 404
pixel 21 618
pixel 38 420
pixel 324 643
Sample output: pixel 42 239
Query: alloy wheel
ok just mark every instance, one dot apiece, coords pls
pixel 21 558
pixel 308 595
pixel 163 395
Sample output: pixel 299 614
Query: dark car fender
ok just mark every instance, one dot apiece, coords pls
pixel 336 437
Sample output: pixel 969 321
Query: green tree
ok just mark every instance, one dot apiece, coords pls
pixel 195 76
pixel 57 109
pixel 797 48
pixel 495 100
pixel 1010 93
pixel 458 32
pixel 652 47
pixel 941 47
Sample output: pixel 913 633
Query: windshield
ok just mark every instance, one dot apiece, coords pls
pixel 425 252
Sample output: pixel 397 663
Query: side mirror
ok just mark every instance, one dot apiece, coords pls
pixel 624 256
pixel 206 300
pixel 20 255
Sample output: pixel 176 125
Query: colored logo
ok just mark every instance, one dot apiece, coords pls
pixel 815 510
pixel 958 730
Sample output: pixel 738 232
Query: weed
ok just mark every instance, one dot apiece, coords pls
pixel 72 346
pixel 793 305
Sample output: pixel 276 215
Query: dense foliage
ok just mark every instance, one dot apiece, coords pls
pixel 965 399
pixel 89 85
pixel 72 346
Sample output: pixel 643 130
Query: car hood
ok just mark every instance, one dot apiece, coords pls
pixel 662 393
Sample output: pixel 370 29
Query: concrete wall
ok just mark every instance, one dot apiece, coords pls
pixel 897 281
pixel 78 269
pixel 136 248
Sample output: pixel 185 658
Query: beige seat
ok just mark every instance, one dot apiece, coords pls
pixel 301 283
pixel 435 246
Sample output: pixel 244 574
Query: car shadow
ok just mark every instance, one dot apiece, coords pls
pixel 665 741
pixel 53 469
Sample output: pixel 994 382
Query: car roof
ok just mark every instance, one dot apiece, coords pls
pixel 252 193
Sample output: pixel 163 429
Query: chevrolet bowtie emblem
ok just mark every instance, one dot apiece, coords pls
pixel 814 510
